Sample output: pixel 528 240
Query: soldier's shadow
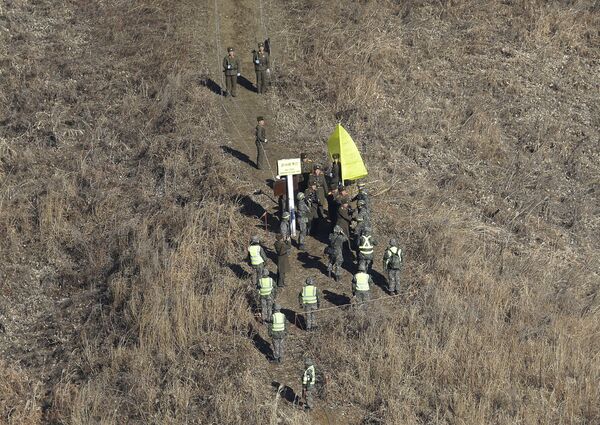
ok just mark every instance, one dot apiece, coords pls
pixel 250 208
pixel 247 84
pixel 379 280
pixel 336 299
pixel 238 155
pixel 286 392
pixel 260 343
pixel 212 86
pixel 312 262
pixel 293 317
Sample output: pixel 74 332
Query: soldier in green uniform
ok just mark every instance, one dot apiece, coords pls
pixel 231 68
pixel 261 139
pixel 261 67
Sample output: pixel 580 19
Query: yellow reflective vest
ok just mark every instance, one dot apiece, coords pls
pixel 362 281
pixel 266 286
pixel 366 247
pixel 255 257
pixel 278 322
pixel 309 294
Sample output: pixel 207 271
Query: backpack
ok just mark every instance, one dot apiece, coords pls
pixel 395 261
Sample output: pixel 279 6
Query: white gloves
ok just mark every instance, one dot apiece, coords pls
pixel 228 66
pixel 239 74
pixel 268 71
pixel 257 61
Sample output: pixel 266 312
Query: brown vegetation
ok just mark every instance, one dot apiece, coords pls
pixel 120 217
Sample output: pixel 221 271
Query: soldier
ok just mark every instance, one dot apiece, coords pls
pixel 365 248
pixel 278 331
pixel 284 226
pixel 231 68
pixel 343 218
pixel 266 294
pixel 335 172
pixel 317 178
pixel 261 67
pixel 309 379
pixel 303 214
pixel 360 220
pixel 364 195
pixel 335 251
pixel 256 257
pixel 392 263
pixel 283 246
pixel 261 140
pixel 361 282
pixel 310 300
pixel 307 169
pixel 316 209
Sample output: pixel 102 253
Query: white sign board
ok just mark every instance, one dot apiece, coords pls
pixel 288 167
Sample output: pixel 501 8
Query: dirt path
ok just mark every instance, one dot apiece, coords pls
pixel 239 25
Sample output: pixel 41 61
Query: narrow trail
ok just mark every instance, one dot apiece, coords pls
pixel 238 23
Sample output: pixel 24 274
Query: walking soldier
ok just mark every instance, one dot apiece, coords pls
pixel 310 300
pixel 282 248
pixel 309 379
pixel 231 68
pixel 392 263
pixel 256 258
pixel 335 251
pixel 266 293
pixel 365 248
pixel 278 331
pixel 303 214
pixel 361 282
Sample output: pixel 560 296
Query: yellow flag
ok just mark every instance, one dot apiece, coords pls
pixel 340 142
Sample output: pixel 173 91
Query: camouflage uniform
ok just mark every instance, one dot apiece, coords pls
pixel 335 251
pixel 393 266
pixel 303 214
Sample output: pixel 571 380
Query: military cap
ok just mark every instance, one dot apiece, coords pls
pixel 276 307
pixel 230 49
pixel 361 203
pixel 337 229
pixel 303 156
pixel 336 156
pixel 261 44
pixel 265 272
pixel 260 118
pixel 309 281
pixel 360 185
pixel 255 239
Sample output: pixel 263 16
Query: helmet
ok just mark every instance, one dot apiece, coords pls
pixel 361 203
pixel 367 229
pixel 286 216
pixel 308 362
pixel 337 229
pixel 364 191
pixel 309 281
pixel 393 242
pixel 255 239
pixel 300 196
pixel 362 267
pixel 276 307
pixel 265 272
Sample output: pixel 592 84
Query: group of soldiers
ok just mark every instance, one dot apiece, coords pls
pixel 233 70
pixel 322 203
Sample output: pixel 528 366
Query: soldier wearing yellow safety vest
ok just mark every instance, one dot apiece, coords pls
pixel 266 294
pixel 256 257
pixel 361 285
pixel 278 331
pixel 366 247
pixel 392 263
pixel 310 300
pixel 309 379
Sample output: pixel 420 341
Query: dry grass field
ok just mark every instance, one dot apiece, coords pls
pixel 122 219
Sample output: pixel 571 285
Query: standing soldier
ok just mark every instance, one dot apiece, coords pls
pixel 317 178
pixel 344 218
pixel 335 172
pixel 284 226
pixel 266 293
pixel 316 209
pixel 256 257
pixel 278 331
pixel 361 282
pixel 261 139
pixel 307 169
pixel 310 300
pixel 363 194
pixel 392 263
pixel 309 379
pixel 261 67
pixel 283 246
pixel 365 248
pixel 231 68
pixel 303 214
pixel 335 251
